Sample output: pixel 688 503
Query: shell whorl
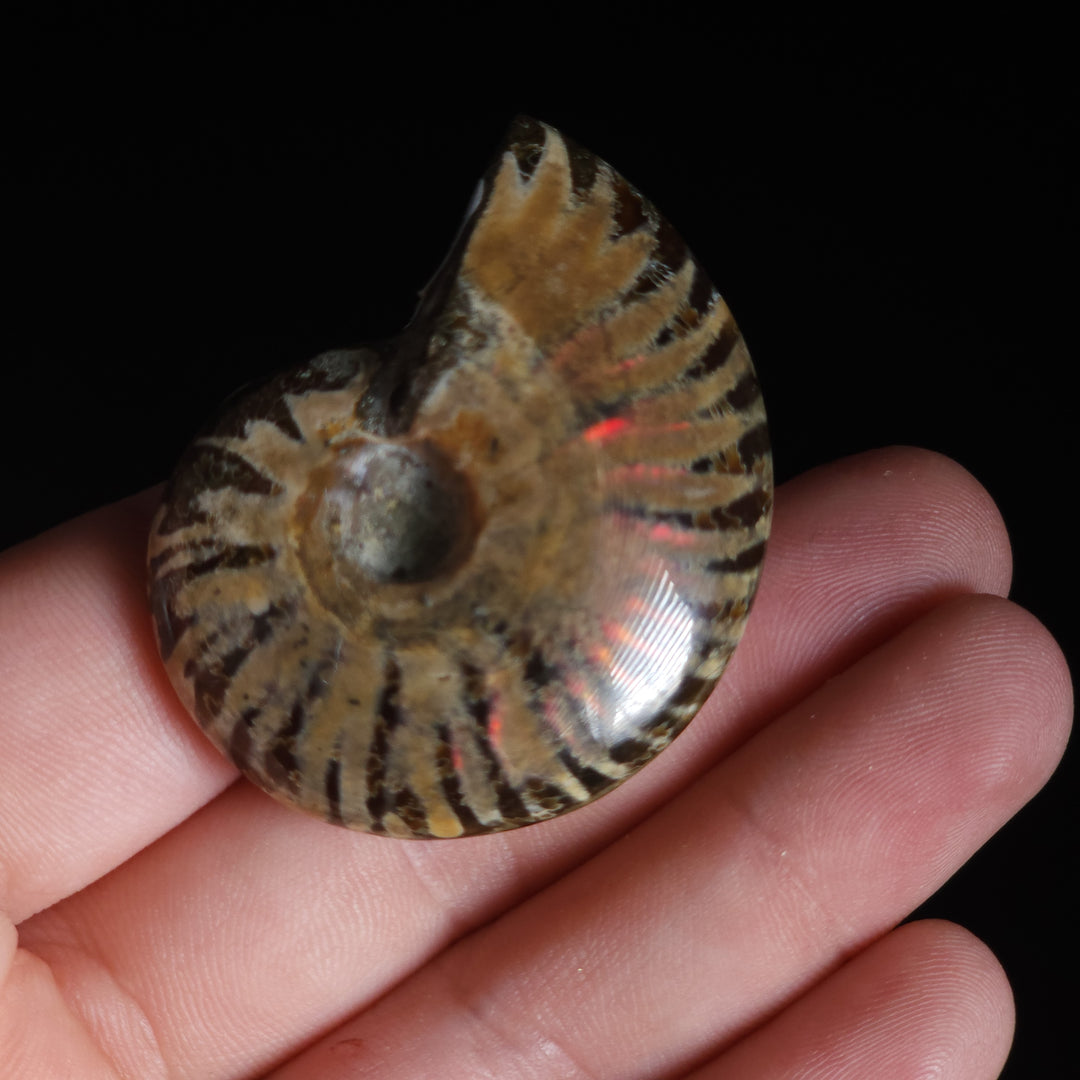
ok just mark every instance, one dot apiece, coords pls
pixel 473 577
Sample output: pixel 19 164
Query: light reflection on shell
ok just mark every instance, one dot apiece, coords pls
pixel 475 576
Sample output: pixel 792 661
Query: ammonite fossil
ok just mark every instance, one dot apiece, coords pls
pixel 475 576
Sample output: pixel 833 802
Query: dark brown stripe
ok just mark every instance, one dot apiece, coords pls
pixel 231 661
pixel 630 208
pixel 512 809
pixel 717 354
pixel 234 557
pixel 188 547
pixel 480 710
pixel 280 761
pixel 450 782
pixel 379 799
pixel 318 683
pixel 265 403
pixel 691 690
pixel 207 467
pixel 240 742
pixel 538 672
pixel 744 512
pixel 331 370
pixel 702 293
pixel 713 611
pixel 649 280
pixel 264 624
pixel 209 688
pixel 388 708
pixel 745 392
pixel 478 703
pixel 548 795
pixel 584 167
pixel 593 781
pixel 410 808
pixel 332 787
pixel 670 248
pixel 747 559
pixel 165 588
pixel 662 729
pixel 526 140
pixel 754 445
pixel 630 752
pixel 474 686
pixel 169 626
pixel 326 372
pixel 667 333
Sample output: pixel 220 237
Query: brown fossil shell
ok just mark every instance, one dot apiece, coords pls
pixel 475 576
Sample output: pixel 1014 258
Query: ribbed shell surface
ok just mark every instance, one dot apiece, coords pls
pixel 473 577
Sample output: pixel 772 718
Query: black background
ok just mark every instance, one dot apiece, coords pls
pixel 199 201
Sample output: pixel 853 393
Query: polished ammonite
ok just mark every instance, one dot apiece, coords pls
pixel 475 576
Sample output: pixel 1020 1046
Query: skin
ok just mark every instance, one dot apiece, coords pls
pixel 729 912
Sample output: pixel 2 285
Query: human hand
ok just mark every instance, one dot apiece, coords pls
pixel 729 912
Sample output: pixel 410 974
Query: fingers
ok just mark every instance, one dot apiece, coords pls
pixel 352 915
pixel 859 549
pixel 731 902
pixel 40 1036
pixel 102 760
pixel 926 1000
pixel 843 573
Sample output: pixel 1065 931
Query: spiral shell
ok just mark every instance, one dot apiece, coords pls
pixel 475 576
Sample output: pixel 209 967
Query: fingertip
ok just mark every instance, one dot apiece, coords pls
pixel 962 512
pixel 962 993
pixel 1051 684
pixel 862 548
pixel 952 954
pixel 927 999
pixel 1023 671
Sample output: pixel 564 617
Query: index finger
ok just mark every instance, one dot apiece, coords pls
pixel 100 759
